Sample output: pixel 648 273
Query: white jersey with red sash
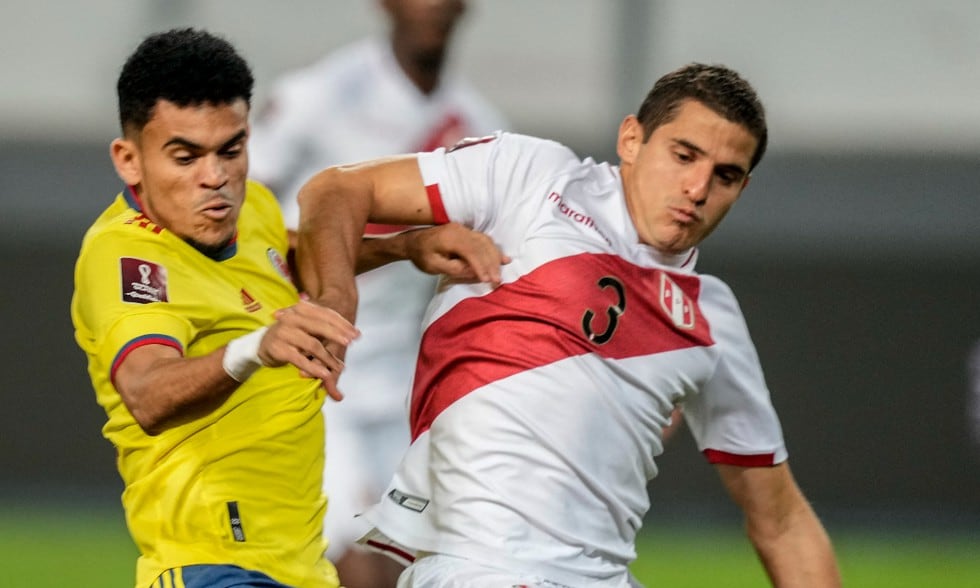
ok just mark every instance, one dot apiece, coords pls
pixel 538 407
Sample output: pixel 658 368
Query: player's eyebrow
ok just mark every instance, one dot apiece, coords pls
pixel 192 146
pixel 687 144
pixel 727 167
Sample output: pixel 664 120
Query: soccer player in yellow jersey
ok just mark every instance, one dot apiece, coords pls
pixel 210 368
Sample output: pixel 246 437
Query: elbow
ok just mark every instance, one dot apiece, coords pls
pixel 149 418
pixel 152 431
pixel 314 191
pixel 151 424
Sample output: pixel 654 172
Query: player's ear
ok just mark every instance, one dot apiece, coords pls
pixel 126 159
pixel 629 139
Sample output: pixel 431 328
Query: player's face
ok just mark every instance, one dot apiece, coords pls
pixel 191 164
pixel 682 181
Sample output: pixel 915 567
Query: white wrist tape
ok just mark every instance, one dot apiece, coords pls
pixel 242 355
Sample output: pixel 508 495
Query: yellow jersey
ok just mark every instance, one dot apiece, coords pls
pixel 242 484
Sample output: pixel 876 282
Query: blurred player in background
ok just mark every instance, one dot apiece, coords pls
pixel 377 97
pixel 538 407
pixel 210 369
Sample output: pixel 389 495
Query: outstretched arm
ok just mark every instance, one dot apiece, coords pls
pixel 335 206
pixel 462 254
pixel 786 533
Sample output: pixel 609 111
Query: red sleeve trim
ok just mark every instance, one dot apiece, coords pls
pixel 439 215
pixel 748 461
pixel 400 554
pixel 140 342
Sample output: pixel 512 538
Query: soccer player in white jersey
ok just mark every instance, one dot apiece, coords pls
pixel 538 406
pixel 376 97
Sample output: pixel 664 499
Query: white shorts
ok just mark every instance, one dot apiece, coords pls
pixel 447 571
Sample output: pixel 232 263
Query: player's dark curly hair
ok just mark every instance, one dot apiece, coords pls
pixel 183 66
pixel 717 87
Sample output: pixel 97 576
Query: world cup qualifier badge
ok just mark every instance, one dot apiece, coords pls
pixel 143 281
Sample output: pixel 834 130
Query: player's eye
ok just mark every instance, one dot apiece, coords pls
pixel 684 156
pixel 727 179
pixel 183 156
pixel 232 152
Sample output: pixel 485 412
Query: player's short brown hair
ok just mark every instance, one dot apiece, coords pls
pixel 717 87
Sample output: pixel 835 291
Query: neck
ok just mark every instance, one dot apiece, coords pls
pixel 212 251
pixel 422 67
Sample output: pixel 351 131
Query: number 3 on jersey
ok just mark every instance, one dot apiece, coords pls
pixel 612 312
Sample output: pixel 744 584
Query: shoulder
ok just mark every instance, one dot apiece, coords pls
pixel 262 205
pixel 120 223
pixel 715 289
pixel 537 159
pixel 720 305
pixel 128 245
pixel 512 156
pixel 352 60
pixel 537 143
pixel 257 195
pixel 543 151
pixel 716 296
pixel 324 75
pixel 261 214
pixel 311 90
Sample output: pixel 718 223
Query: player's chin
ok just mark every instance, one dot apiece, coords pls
pixel 673 242
pixel 212 242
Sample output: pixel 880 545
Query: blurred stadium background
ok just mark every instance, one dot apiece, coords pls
pixel 855 252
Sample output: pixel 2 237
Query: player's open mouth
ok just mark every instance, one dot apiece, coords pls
pixel 219 211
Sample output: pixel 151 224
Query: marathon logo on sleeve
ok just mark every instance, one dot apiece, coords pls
pixel 143 281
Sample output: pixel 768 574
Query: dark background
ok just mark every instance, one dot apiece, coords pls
pixel 858 274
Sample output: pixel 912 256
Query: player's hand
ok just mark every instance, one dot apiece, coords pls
pixel 463 254
pixel 311 337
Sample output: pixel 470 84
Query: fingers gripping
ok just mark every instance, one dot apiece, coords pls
pixel 311 337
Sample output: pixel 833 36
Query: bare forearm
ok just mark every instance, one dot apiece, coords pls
pixel 329 240
pixel 376 252
pixel 171 391
pixel 800 554
pixel 786 533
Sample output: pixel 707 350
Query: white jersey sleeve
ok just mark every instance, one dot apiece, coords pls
pixel 732 417
pixel 479 178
